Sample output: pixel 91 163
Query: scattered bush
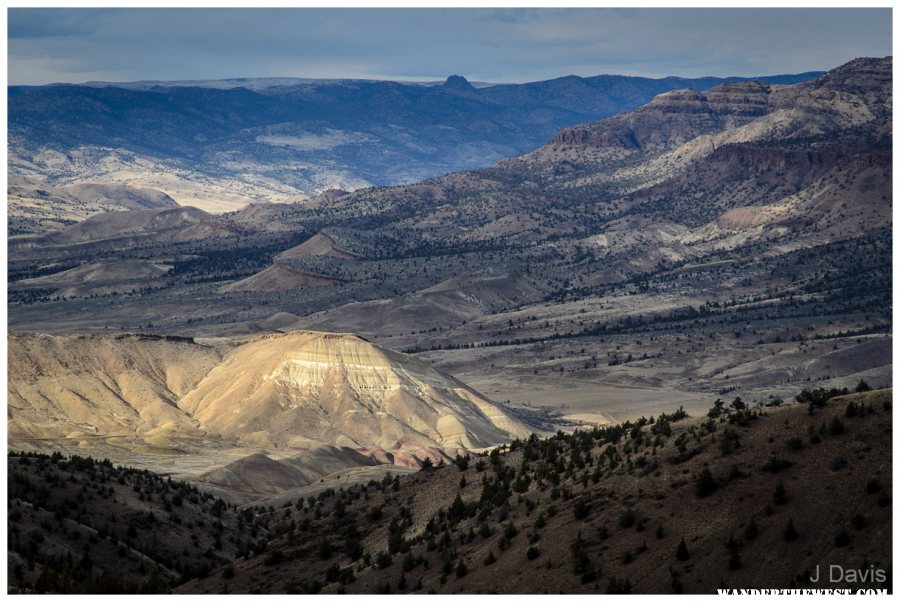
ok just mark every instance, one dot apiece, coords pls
pixel 836 427
pixel 776 464
pixel 842 538
pixel 461 570
pixel 706 484
pixel 780 495
pixel 790 532
pixel 751 530
pixel 681 551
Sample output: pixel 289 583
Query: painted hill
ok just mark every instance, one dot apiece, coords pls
pixel 289 390
pixel 79 385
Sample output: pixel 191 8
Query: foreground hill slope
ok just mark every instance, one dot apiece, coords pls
pixel 759 498
pixel 749 498
pixel 80 526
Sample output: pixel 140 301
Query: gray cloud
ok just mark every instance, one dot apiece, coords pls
pixel 73 45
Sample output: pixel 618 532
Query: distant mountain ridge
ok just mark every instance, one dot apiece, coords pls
pixel 273 138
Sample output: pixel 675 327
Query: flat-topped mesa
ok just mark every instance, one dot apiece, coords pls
pixel 852 95
pixel 672 118
pixel 745 98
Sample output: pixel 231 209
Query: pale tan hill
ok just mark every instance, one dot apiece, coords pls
pixel 326 459
pixel 99 278
pixel 183 223
pixel 278 321
pixel 122 230
pixel 278 277
pixel 257 473
pixel 78 385
pixel 322 244
pixel 292 390
pixel 120 195
pixel 35 205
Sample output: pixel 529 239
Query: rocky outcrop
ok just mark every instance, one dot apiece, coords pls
pixel 460 86
pixel 672 118
pixel 744 98
pixel 678 101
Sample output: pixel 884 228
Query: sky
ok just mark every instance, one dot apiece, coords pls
pixel 495 45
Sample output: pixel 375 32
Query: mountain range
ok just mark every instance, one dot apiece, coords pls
pixel 219 145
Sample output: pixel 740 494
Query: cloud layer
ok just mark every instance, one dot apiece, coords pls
pixel 501 45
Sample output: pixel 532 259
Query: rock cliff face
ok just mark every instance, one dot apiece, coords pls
pixel 744 98
pixel 673 118
pixel 688 125
pixel 293 389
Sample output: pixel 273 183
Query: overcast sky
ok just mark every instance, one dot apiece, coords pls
pixel 503 45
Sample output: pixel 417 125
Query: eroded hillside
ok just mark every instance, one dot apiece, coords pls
pixel 283 392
